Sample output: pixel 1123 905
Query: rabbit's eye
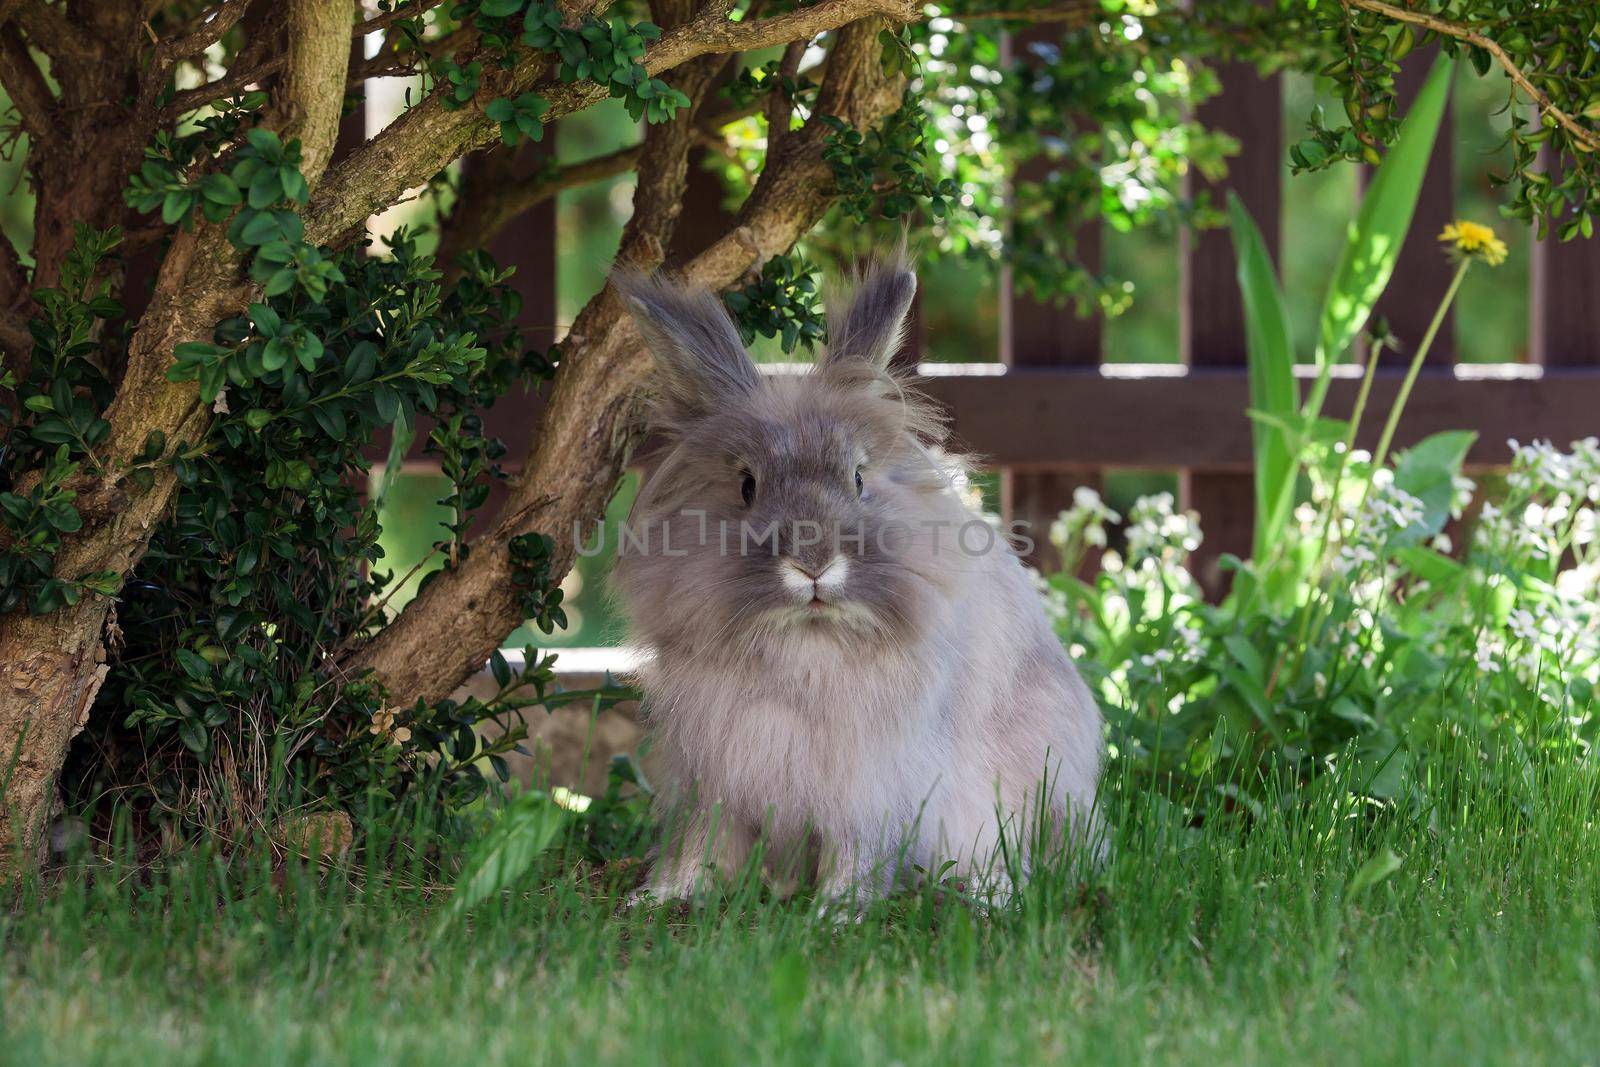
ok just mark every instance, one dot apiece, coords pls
pixel 860 486
pixel 747 488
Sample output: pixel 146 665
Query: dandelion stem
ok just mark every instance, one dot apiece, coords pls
pixel 1410 380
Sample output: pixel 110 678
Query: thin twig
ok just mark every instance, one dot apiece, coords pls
pixel 217 23
pixel 780 106
pixel 1586 137
pixel 228 85
pixel 403 11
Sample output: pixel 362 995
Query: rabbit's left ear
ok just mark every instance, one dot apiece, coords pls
pixel 868 325
pixel 701 364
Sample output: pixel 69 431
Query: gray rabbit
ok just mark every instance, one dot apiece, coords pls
pixel 840 653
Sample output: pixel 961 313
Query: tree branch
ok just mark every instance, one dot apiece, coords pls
pixel 494 207
pixel 419 144
pixel 387 18
pixel 1589 139
pixel 235 81
pixel 25 84
pixel 314 79
pixel 15 340
pixel 593 418
pixel 780 107
pixel 52 33
pixel 218 23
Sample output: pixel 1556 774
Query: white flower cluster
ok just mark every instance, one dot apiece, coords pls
pixel 1085 521
pixel 1540 466
pixel 1546 646
pixel 1158 531
pixel 1386 511
pixel 1551 503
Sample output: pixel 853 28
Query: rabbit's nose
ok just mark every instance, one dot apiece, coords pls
pixel 814 577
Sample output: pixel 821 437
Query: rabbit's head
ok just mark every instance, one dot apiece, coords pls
pixel 791 503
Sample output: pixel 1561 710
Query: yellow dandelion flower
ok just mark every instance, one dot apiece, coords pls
pixel 1473 239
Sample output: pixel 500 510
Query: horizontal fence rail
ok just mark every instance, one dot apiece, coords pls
pixel 1166 416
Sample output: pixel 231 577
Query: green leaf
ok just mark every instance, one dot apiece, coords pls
pixel 331 419
pixel 175 205
pixel 267 322
pixel 197 351
pixel 1379 866
pixel 1428 472
pixel 1373 241
pixel 400 438
pixel 1245 654
pixel 525 829
pixel 260 228
pixel 193 665
pixel 275 354
pixel 1273 392
pixel 220 189
pixel 193 736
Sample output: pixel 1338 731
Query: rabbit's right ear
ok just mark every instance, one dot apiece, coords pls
pixel 701 364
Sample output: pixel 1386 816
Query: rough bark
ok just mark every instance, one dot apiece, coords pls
pixel 592 421
pixel 51 666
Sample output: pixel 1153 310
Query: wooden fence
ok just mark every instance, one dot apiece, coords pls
pixel 1051 415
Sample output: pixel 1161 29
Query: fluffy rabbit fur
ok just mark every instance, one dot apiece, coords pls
pixel 876 684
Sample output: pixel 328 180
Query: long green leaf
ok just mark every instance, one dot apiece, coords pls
pixel 1273 393
pixel 505 853
pixel 403 432
pixel 1373 241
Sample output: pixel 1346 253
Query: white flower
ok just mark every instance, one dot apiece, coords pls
pixel 1160 655
pixel 1584 526
pixel 1524 626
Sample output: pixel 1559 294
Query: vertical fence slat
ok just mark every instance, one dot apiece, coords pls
pixel 704 219
pixel 1565 302
pixel 1421 274
pixel 1250 109
pixel 529 244
pixel 1043 335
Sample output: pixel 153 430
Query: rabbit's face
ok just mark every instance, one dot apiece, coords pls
pixel 801 508
pixel 795 504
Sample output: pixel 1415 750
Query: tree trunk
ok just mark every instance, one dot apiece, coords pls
pixel 51 667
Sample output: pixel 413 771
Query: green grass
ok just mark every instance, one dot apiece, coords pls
pixel 1218 944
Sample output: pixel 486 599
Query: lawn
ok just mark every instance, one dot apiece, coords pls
pixel 1461 930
